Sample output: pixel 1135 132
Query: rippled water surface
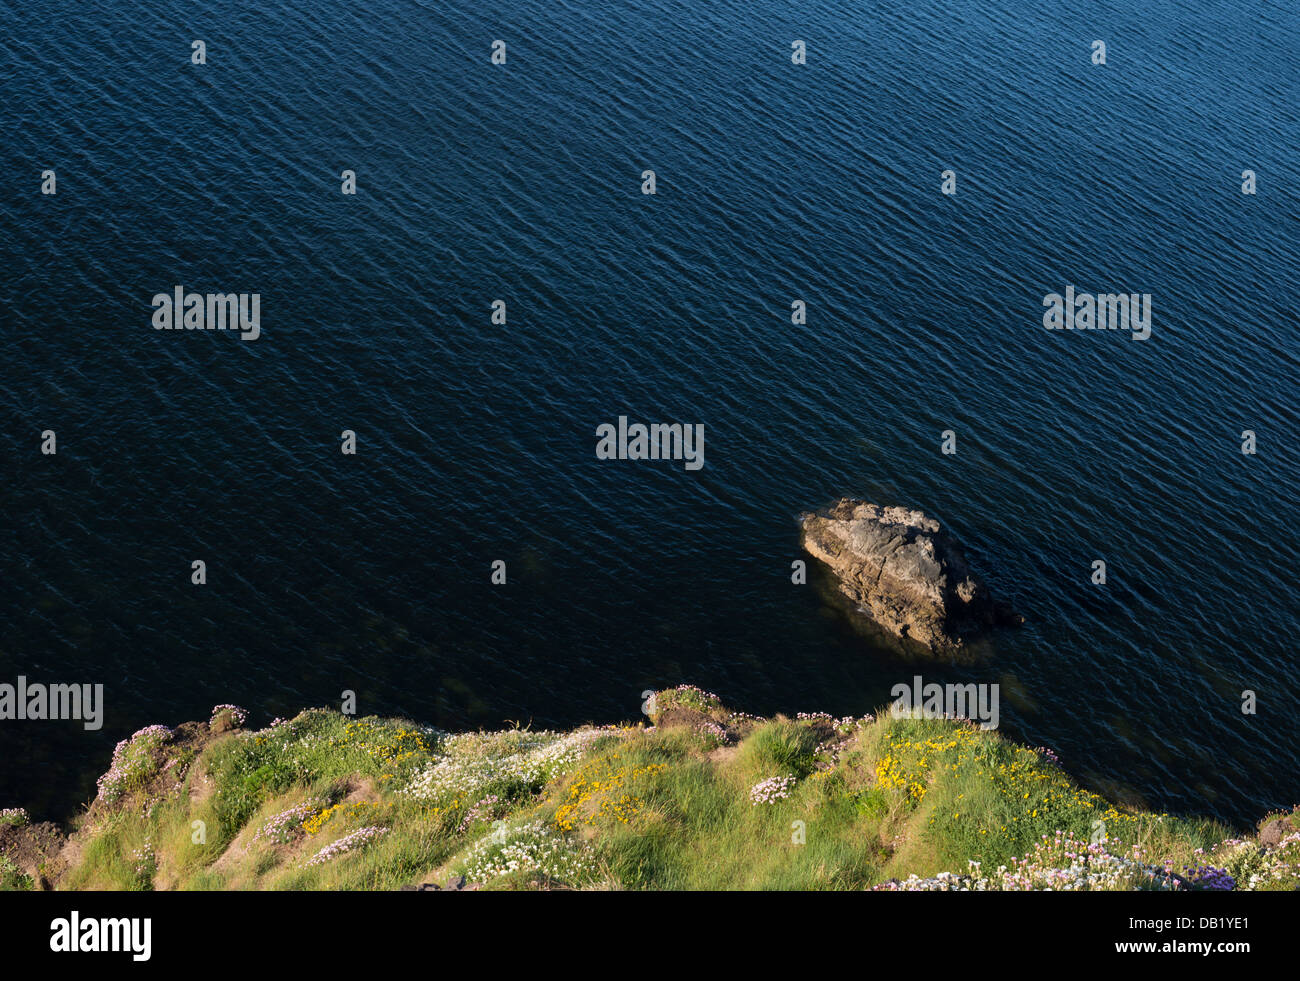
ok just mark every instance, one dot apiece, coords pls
pixel 775 182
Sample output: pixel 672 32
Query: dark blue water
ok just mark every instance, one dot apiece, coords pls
pixel 476 441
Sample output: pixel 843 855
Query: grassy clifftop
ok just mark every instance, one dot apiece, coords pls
pixel 702 799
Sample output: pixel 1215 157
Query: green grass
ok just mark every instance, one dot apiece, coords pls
pixel 627 808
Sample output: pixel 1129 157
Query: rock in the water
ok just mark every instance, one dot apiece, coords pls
pixel 903 571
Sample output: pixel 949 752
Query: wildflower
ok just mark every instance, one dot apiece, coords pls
pixel 533 848
pixel 357 839
pixel 287 825
pixel 771 790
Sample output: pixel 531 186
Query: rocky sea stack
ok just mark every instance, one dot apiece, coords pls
pixel 904 572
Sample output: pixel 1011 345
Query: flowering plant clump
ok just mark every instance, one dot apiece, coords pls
pixel 150 804
pixel 134 761
pixel 1036 796
pixel 288 729
pixel 15 817
pixel 316 822
pixel 1209 877
pixel 1048 755
pixel 843 725
pixel 357 839
pixel 693 693
pixel 383 742
pixel 771 790
pixel 849 723
pixel 505 763
pixel 600 789
pixel 318 740
pixel 534 848
pixel 228 717
pixel 286 826
pixel 1251 867
pixel 826 757
pixel 712 733
pixel 482 810
pixel 906 763
pixel 146 864
pixel 1058 863
pixel 684 696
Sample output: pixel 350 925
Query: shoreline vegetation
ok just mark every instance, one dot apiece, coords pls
pixel 700 798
